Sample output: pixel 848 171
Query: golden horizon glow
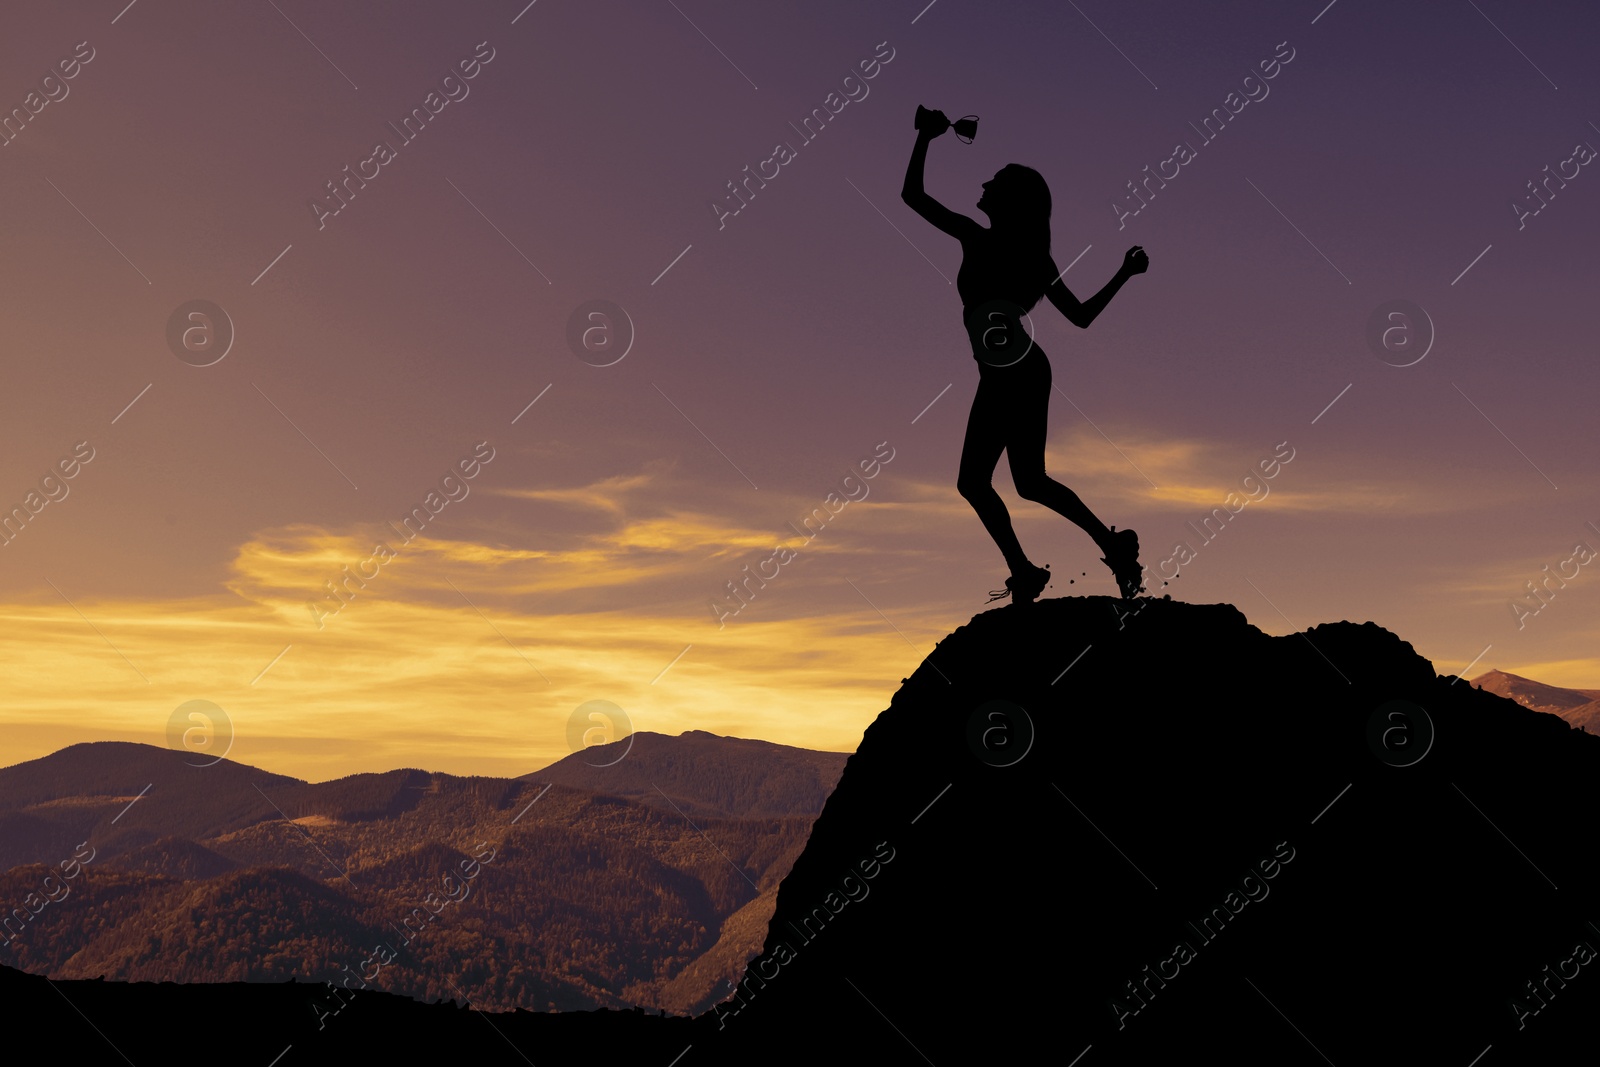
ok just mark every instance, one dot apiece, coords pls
pixel 424 668
pixel 486 691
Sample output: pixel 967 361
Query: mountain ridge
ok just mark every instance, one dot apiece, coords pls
pixel 701 773
pixel 597 899
pixel 1580 707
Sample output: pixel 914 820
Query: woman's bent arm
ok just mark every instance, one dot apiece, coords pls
pixel 1082 312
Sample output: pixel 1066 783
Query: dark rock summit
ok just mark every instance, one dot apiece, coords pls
pixel 1174 838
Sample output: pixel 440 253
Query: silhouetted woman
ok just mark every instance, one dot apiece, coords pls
pixel 1005 269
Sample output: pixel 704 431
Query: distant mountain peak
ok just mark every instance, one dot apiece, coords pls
pixel 1580 707
pixel 702 774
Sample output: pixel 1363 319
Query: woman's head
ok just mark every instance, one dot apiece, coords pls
pixel 1017 198
pixel 1017 201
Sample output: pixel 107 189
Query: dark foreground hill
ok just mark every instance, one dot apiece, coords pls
pixel 1058 845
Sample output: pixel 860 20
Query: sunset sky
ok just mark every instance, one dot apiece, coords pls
pixel 773 351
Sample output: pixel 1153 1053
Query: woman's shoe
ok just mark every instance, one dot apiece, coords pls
pixel 1023 588
pixel 1123 559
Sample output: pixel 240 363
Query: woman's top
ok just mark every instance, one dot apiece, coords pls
pixel 997 287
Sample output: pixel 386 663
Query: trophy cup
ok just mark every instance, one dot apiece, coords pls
pixel 966 128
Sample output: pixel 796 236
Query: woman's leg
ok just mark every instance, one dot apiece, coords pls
pixel 980 453
pixel 1024 443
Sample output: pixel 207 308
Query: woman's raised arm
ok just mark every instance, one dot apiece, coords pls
pixel 956 225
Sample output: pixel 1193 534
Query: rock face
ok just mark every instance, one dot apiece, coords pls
pixel 1174 838
pixel 1086 836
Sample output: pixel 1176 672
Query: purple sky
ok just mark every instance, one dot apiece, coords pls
pixel 372 354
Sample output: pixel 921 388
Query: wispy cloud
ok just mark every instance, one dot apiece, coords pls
pixel 1199 473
